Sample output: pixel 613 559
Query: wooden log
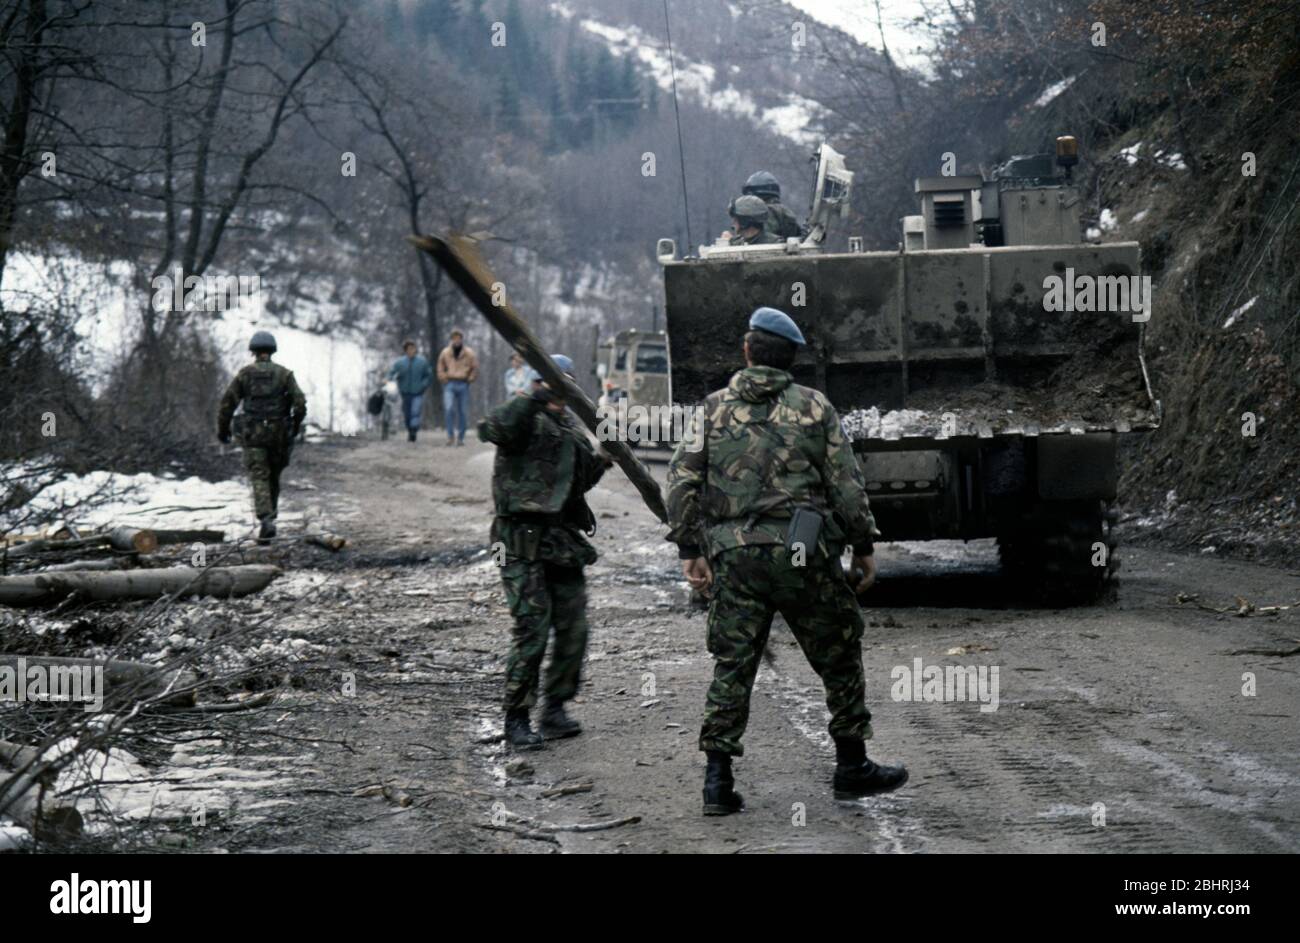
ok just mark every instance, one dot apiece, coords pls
pixel 122 679
pixel 329 541
pixel 460 260
pixel 132 540
pixel 33 547
pixel 226 581
pixel 79 566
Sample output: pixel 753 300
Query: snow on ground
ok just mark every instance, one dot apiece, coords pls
pixel 334 370
pixel 150 501
pixel 1108 220
pixel 114 785
pixel 907 42
pixel 791 120
pixel 1173 161
pixel 1238 312
pixel 1139 216
pixel 1053 91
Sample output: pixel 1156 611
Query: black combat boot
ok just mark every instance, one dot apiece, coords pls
pixel 410 435
pixel 720 796
pixel 519 731
pixel 857 776
pixel 267 530
pixel 556 724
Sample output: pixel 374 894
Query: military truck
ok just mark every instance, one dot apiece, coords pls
pixel 633 370
pixel 977 409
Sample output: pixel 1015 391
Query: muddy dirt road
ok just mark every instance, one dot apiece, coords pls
pixel 1118 728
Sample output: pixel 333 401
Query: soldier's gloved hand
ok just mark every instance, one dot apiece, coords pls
pixel 698 573
pixel 223 438
pixel 867 565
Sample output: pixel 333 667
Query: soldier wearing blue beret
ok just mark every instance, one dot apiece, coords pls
pixel 762 514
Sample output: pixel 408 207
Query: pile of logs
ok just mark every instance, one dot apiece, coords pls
pixel 123 563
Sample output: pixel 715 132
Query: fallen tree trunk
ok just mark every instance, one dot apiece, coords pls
pixel 79 566
pixel 132 540
pixel 32 547
pixel 129 679
pixel 227 581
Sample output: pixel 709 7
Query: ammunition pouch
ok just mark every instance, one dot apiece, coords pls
pixel 804 530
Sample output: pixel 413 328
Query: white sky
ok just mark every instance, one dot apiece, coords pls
pixel 858 19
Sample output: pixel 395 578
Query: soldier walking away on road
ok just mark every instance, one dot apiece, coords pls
pixel 748 222
pixel 274 409
pixel 414 376
pixel 457 369
pixel 544 467
pixel 762 512
pixel 780 221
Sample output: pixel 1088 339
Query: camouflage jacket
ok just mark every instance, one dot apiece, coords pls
pixel 270 395
pixel 544 468
pixel 769 446
pixel 781 222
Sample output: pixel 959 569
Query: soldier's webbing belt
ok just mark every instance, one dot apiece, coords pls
pixel 545 520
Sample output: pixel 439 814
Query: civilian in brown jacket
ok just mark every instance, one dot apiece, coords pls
pixel 457 369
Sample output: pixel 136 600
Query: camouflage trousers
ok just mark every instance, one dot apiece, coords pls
pixel 264 466
pixel 752 584
pixel 544 596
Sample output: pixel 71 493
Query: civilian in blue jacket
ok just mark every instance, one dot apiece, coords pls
pixel 414 376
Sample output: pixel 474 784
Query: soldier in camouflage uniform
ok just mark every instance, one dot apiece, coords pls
pixel 748 222
pixel 780 221
pixel 274 409
pixel 770 447
pixel 544 467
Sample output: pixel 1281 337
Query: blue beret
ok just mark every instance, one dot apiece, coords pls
pixel 776 322
pixel 564 363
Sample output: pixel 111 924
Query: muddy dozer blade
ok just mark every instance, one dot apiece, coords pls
pixel 933 344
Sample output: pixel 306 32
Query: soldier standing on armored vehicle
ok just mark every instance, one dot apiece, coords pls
pixel 762 513
pixel 274 409
pixel 748 223
pixel 780 221
pixel 544 467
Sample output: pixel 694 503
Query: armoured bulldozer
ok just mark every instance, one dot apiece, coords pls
pixel 984 371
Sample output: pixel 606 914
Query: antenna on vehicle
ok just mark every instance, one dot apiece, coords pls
pixel 681 154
